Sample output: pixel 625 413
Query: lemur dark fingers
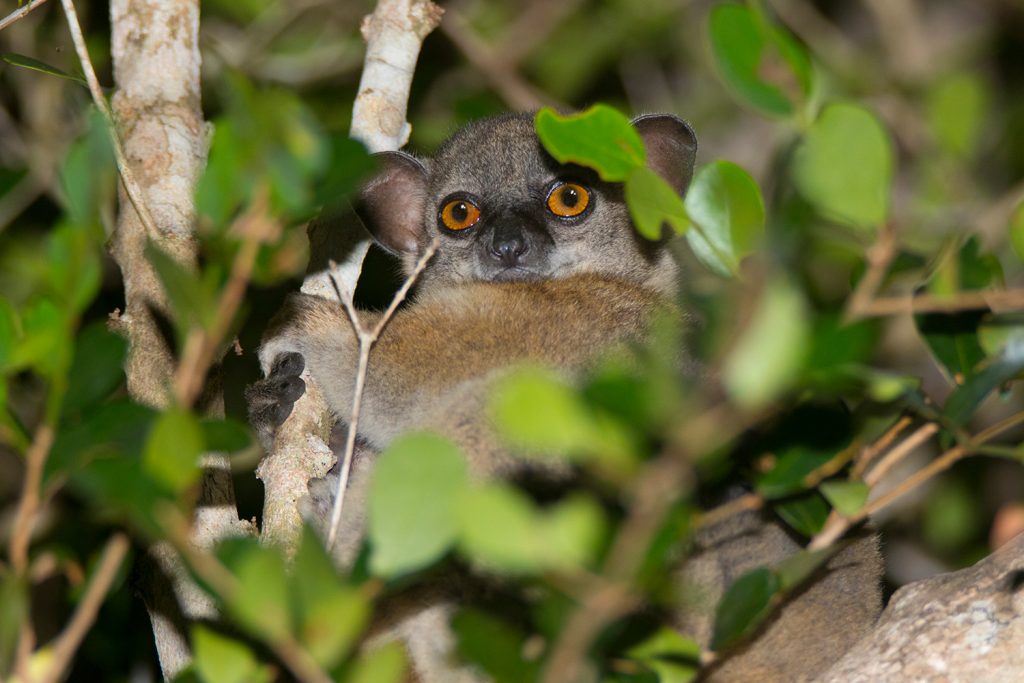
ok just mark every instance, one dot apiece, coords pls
pixel 270 400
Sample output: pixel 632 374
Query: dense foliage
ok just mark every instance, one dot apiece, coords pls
pixel 833 185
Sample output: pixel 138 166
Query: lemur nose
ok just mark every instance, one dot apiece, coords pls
pixel 509 248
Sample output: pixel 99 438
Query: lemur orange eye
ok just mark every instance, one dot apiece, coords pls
pixel 459 214
pixel 568 200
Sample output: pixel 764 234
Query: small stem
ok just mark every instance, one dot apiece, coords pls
pixel 871 452
pixel 85 614
pixel 905 448
pixel 19 13
pixel 366 341
pixel 879 256
pixel 28 506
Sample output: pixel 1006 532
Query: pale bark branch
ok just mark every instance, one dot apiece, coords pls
pixel 394 34
pixel 20 13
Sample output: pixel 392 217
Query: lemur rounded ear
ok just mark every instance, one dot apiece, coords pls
pixel 671 147
pixel 392 203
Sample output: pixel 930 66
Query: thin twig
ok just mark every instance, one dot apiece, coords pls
pixel 28 506
pixel 19 13
pixel 996 300
pixel 127 177
pixel 838 525
pixel 868 454
pixel 879 256
pixel 367 338
pixel 905 448
pixel 85 614
pixel 516 92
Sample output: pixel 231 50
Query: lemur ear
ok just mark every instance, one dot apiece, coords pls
pixel 671 147
pixel 392 204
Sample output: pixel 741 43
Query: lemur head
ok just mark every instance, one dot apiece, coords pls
pixel 504 209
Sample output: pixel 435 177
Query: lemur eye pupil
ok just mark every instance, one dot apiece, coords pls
pixel 460 212
pixel 570 197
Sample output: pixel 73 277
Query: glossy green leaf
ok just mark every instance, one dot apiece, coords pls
pixel 96 368
pixel 844 166
pixel 220 659
pixel 671 656
pixel 769 356
pixel 792 466
pixel 953 340
pixel 74 268
pixel 536 411
pixel 761 64
pixel 44 344
pixel 192 302
pixel 999 332
pixel 600 138
pixel 805 514
pixel 956 108
pixel 1017 231
pixel 847 497
pixel 9 325
pixel 225 436
pixel 88 172
pixel 745 604
pixel 414 494
pixel 26 62
pixel 726 207
pixel 350 164
pixel 968 397
pixel 494 645
pixel 572 532
pixel 500 529
pixel 331 615
pixel 384 664
pixel 801 565
pixel 173 448
pixel 654 204
pixel 261 603
pixel 14 610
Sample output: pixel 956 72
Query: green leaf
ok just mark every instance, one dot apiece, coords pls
pixel 953 340
pixel 225 436
pixel 96 368
pixel 956 109
pixel 173 448
pixel 726 207
pixel 805 514
pixel 787 476
pixel 118 428
pixel 965 400
pixel 653 203
pixel 383 664
pixel 801 565
pixel 600 138
pixel 414 494
pixel 500 529
pixel 760 64
pixel 494 645
pixel 572 532
pixel 847 497
pixel 770 354
pixel 745 604
pixel 672 657
pixel 14 610
pixel 45 341
pixel 191 302
pixel 219 659
pixel 73 256
pixel 330 614
pixel 535 410
pixel 1017 231
pixel 120 485
pixel 261 602
pixel 999 332
pixel 9 325
pixel 844 166
pixel 26 62
pixel 350 164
